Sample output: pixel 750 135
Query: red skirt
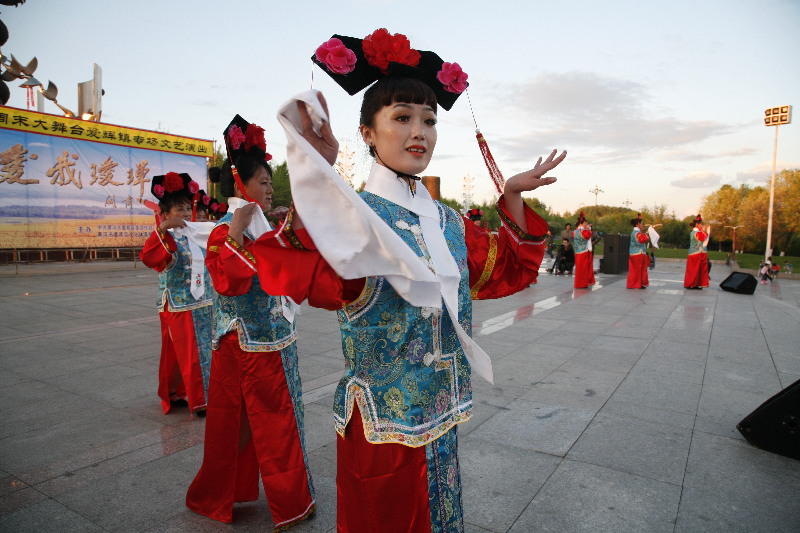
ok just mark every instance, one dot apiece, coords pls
pixel 637 271
pixel 179 371
pixel 251 429
pixel 584 270
pixel 696 271
pixel 380 487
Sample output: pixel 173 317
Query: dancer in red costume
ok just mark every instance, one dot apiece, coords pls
pixel 638 260
pixel 696 276
pixel 185 317
pixel 402 271
pixel 255 411
pixel 584 256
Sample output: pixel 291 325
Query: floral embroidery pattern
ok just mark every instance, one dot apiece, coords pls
pixel 386 343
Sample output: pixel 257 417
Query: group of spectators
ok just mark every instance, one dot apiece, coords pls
pixel 769 270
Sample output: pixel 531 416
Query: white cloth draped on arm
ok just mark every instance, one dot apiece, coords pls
pixel 356 242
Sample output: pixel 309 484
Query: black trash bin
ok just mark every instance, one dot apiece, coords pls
pixel 616 247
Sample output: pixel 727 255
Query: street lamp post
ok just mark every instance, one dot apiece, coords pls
pixel 774 116
pixel 734 237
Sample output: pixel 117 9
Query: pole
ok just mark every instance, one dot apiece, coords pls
pixel 768 251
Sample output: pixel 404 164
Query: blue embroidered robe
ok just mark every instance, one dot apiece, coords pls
pixel 256 316
pixel 404 365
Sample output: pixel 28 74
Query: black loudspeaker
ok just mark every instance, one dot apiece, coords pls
pixel 616 247
pixel 740 282
pixel 775 425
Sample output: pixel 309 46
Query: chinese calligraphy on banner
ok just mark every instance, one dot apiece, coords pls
pixel 68 183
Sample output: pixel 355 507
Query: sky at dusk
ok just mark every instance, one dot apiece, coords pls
pixel 656 102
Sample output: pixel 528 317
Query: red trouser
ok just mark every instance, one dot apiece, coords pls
pixel 251 428
pixel 637 271
pixel 380 487
pixel 696 271
pixel 583 275
pixel 179 369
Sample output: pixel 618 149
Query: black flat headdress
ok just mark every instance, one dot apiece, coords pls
pixel 171 184
pixel 355 64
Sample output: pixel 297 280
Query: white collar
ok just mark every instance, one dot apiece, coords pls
pixel 385 183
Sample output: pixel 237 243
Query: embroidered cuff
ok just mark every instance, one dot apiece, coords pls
pixel 539 223
pixel 289 233
pixel 162 236
pixel 240 250
pixel 488 268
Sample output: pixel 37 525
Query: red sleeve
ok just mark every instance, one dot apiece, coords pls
pixel 586 234
pixel 505 263
pixel 157 250
pixel 702 236
pixel 642 237
pixel 230 265
pixel 289 264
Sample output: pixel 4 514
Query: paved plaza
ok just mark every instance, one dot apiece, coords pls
pixel 613 410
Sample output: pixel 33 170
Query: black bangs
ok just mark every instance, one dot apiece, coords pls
pixel 171 200
pixel 393 89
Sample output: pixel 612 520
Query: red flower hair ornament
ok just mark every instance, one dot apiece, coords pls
pixel 254 137
pixel 381 47
pixel 172 182
pixel 158 191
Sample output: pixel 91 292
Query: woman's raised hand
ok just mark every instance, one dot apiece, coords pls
pixel 325 143
pixel 171 223
pixel 241 219
pixel 279 213
pixel 532 179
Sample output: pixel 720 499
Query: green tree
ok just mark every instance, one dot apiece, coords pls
pixel 753 212
pixel 282 192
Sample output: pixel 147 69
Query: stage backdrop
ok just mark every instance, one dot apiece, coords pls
pixel 68 183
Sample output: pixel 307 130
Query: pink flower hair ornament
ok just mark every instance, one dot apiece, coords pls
pixel 193 187
pixel 452 77
pixel 158 191
pixel 235 137
pixel 336 56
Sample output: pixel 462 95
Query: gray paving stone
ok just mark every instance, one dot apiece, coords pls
pixel 648 449
pixel 731 486
pixel 499 481
pixel 551 429
pixel 585 497
pixel 721 408
pixel 47 515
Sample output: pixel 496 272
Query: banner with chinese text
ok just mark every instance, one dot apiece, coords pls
pixel 63 191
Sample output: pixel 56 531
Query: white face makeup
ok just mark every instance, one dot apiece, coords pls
pixel 404 136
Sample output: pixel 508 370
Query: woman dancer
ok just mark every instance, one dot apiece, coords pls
pixel 255 409
pixel 696 277
pixel 584 256
pixel 638 260
pixel 185 311
pixel 402 270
